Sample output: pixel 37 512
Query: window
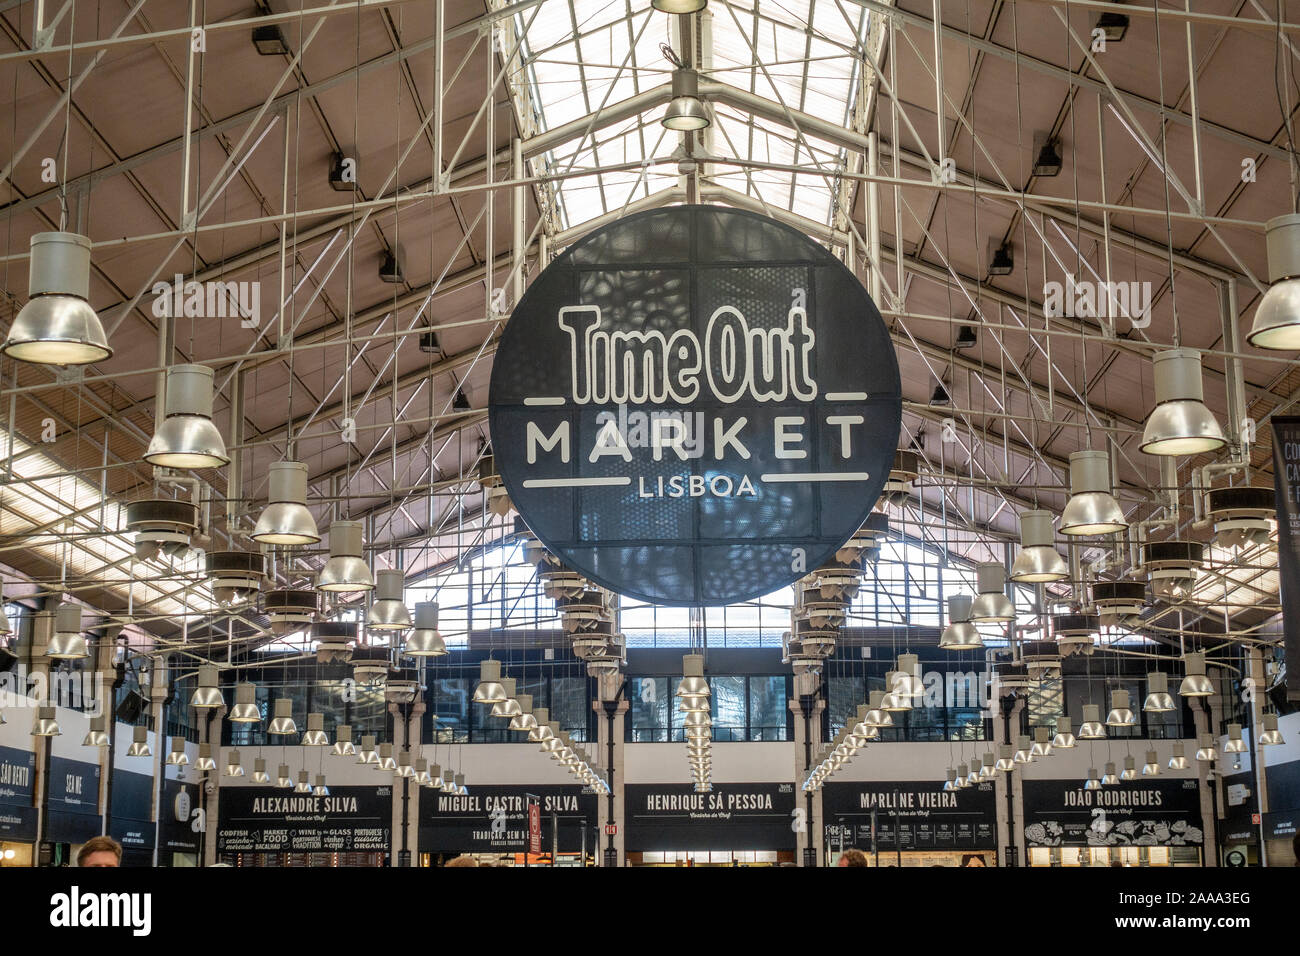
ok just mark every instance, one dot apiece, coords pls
pixel 650 706
pixel 767 708
pixel 728 707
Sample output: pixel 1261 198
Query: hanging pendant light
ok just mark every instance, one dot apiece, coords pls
pixel 489 689
pixel 422 772
pixel 1270 736
pixel 876 715
pixel 1092 782
pixel 57 326
pixel 1277 317
pixel 404 768
pixel 1064 737
pixel 509 707
pixel 304 782
pixel 233 767
pixel 1179 760
pixel 685 111
pixel 424 640
pixel 991 605
pixel 448 781
pixel 367 752
pixel 282 723
pixel 346 569
pixel 1038 561
pixel 679 6
pixel 973 774
pixel 1120 715
pixel 960 634
pixel 259 771
pixel 1022 751
pixel 245 710
pixel 1180 423
pixel 204 762
pixel 286 520
pixel 1092 728
pixel 523 721
pixel 1151 768
pixel 97 736
pixel 315 735
pixel 139 742
pixel 988 766
pixel 207 694
pixel 1006 758
pixel 1195 682
pixel 963 772
pixel 282 777
pixel 1130 770
pixel 1092 508
pixel 1110 777
pixel 542 731
pixel 343 745
pixel 1158 700
pixel 387 612
pixel 386 760
pixel 68 643
pixel 320 790
pixel 907 677
pixel 177 757
pixel 186 438
pixel 1206 752
pixel 459 782
pixel 1042 746
pixel 1235 744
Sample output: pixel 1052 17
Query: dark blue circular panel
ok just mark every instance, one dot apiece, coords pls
pixel 695 405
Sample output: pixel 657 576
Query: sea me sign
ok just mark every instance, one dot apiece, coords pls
pixel 695 405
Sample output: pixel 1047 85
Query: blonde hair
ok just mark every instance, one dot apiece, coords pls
pixel 99 844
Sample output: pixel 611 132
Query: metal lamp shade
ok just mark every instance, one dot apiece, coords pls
pixel 386 760
pixel 679 6
pixel 282 723
pixel 345 570
pixel 387 612
pixel 404 767
pixel 1006 758
pixel 424 640
pixel 259 771
pixel 1063 739
pixel 524 721
pixel 1093 782
pixel 960 634
pixel 891 701
pixel 97 736
pixel 1151 767
pixel 1269 735
pixel 207 694
pixel 1042 746
pixel 233 767
pixel 991 605
pixel 1092 508
pixel 1206 752
pixel 685 112
pixel 1120 715
pixel 367 752
pixel 876 715
pixel 286 520
pixel 315 735
pixel 1038 562
pixel 1235 744
pixel 1130 769
pixel 1109 778
pixel 320 790
pixel 1195 682
pixel 67 643
pixel 57 326
pixel 1158 700
pixel 1179 759
pixel 282 777
pixel 245 710
pixel 187 438
pixel 304 782
pixel 907 679
pixel 1180 423
pixel 1092 728
pixel 508 707
pixel 204 761
pixel 1277 318
pixel 177 757
pixel 542 731
pixel 139 742
pixel 343 745
pixel 489 689
pixel 1022 754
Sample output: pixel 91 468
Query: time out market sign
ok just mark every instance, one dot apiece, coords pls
pixel 695 406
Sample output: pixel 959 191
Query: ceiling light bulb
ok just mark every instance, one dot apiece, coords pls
pixel 186 437
pixel 1109 778
pixel 1180 423
pixel 57 326
pixel 233 767
pixel 686 111
pixel 178 757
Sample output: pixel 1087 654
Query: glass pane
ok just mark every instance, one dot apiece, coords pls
pixel 569 707
pixel 767 708
pixel 728 707
pixel 650 705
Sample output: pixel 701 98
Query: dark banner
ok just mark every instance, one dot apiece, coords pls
pixel 131 801
pixel 1281 825
pixel 1286 488
pixel 1140 813
pixel 732 816
pixel 909 815
pixel 17 780
pixel 273 820
pixel 495 819
pixel 176 817
pixel 73 801
pixel 1283 782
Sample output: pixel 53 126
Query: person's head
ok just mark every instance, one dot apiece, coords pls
pixel 972 859
pixel 100 851
pixel 853 858
pixel 463 860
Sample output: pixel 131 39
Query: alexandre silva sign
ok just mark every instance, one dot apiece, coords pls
pixel 695 405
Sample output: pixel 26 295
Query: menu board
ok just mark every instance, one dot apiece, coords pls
pixel 274 820
pixel 17 778
pixel 1138 813
pixel 73 813
pixel 732 816
pixel 494 819
pixel 909 815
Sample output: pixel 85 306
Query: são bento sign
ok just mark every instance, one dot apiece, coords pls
pixel 695 405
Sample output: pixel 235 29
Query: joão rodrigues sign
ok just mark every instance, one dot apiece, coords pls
pixel 695 405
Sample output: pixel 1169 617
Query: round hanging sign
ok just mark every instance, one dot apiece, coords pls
pixel 694 406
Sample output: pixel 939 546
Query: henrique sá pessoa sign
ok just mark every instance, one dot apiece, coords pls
pixel 695 405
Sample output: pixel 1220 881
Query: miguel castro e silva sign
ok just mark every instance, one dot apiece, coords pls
pixel 695 405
